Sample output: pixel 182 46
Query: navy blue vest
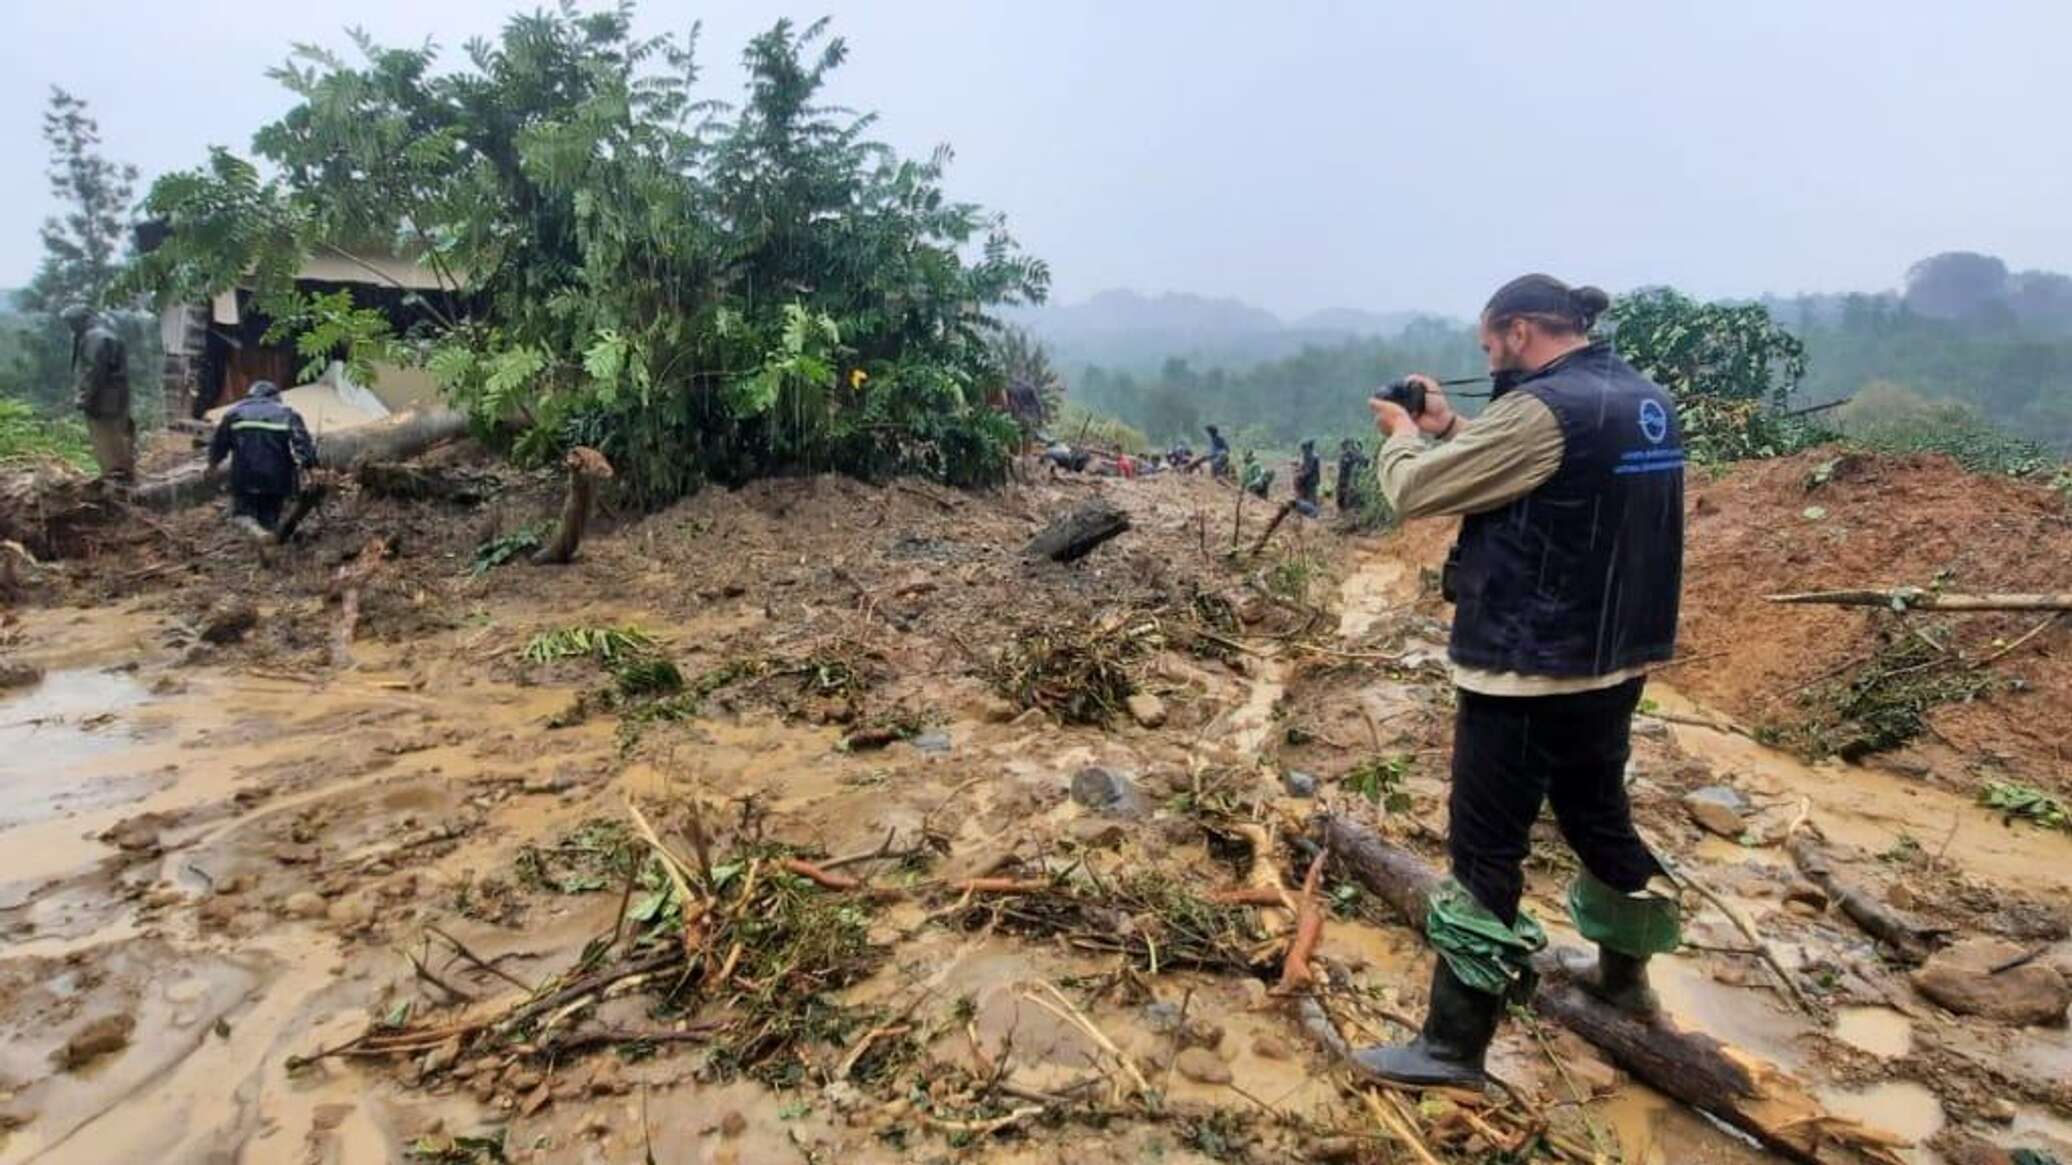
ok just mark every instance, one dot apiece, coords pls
pixel 1581 576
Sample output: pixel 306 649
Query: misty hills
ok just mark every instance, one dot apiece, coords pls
pixel 1127 329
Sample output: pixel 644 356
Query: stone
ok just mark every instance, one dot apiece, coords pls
pixel 1202 1066
pixel 15 674
pixel 1147 709
pixel 1299 784
pixel 138 835
pixel 1201 1033
pixel 109 1033
pixel 295 855
pixel 607 1078
pixel 1717 808
pixel 523 1079
pixel 351 912
pixel 306 904
pixel 1902 895
pixel 1108 792
pixel 1270 1047
pixel 932 743
pixel 994 710
pixel 1161 1016
pixel 545 783
pixel 227 620
pixel 733 1124
pixel 1096 832
pixel 1961 978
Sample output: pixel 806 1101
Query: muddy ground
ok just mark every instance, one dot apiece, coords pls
pixel 231 851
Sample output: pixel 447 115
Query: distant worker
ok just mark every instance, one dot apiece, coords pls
pixel 1350 460
pixel 269 447
pixel 1309 478
pixel 1062 456
pixel 1256 479
pixel 100 366
pixel 1565 580
pixel 1219 453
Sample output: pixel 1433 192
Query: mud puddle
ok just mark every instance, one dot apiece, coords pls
pixel 50 729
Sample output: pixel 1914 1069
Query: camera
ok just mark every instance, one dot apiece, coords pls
pixel 1404 392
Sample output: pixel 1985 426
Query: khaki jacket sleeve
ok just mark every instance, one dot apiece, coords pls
pixel 1500 456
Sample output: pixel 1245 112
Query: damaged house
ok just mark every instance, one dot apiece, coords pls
pixel 215 351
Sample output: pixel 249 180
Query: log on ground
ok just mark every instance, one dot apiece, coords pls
pixel 1764 1101
pixel 1911 941
pixel 1075 535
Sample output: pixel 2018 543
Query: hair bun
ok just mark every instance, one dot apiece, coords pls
pixel 1589 302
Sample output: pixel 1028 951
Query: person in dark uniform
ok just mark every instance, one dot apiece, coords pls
pixel 269 447
pixel 101 392
pixel 1309 479
pixel 1351 459
pixel 1565 580
pixel 1219 453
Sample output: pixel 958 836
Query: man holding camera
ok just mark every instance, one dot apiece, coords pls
pixel 1565 579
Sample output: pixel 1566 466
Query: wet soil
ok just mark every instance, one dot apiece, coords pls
pixel 235 846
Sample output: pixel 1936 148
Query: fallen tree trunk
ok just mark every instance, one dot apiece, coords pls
pixel 1075 535
pixel 586 467
pixel 1910 940
pixel 1916 599
pixel 404 435
pixel 1760 1099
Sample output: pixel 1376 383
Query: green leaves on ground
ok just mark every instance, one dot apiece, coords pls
pixel 606 644
pixel 2026 802
pixel 1380 780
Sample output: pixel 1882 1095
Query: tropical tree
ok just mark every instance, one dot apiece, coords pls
pixel 700 292
pixel 83 246
pixel 1731 368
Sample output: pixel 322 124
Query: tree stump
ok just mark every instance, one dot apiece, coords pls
pixel 1075 535
pixel 586 467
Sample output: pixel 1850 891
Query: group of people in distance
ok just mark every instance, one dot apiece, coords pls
pixel 1252 475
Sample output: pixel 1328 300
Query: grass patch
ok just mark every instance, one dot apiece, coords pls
pixel 27 435
pixel 1293 574
pixel 592 857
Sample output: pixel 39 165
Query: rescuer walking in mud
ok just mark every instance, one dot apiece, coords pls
pixel 1309 477
pixel 1565 579
pixel 269 447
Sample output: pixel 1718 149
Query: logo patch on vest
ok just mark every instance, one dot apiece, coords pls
pixel 1654 420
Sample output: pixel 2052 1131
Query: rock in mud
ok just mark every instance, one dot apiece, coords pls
pixel 1267 1046
pixel 994 710
pixel 138 835
pixel 1202 1066
pixel 14 674
pixel 933 743
pixel 305 904
pixel 1147 709
pixel 227 620
pixel 1096 832
pixel 1961 978
pixel 350 913
pixel 1108 792
pixel 1299 784
pixel 110 1033
pixel 1719 809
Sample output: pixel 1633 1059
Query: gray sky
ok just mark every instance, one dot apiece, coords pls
pixel 1297 155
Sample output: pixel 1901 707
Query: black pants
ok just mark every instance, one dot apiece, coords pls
pixel 1510 753
pixel 264 509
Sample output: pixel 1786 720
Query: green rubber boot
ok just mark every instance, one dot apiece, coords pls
pixel 1448 1052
